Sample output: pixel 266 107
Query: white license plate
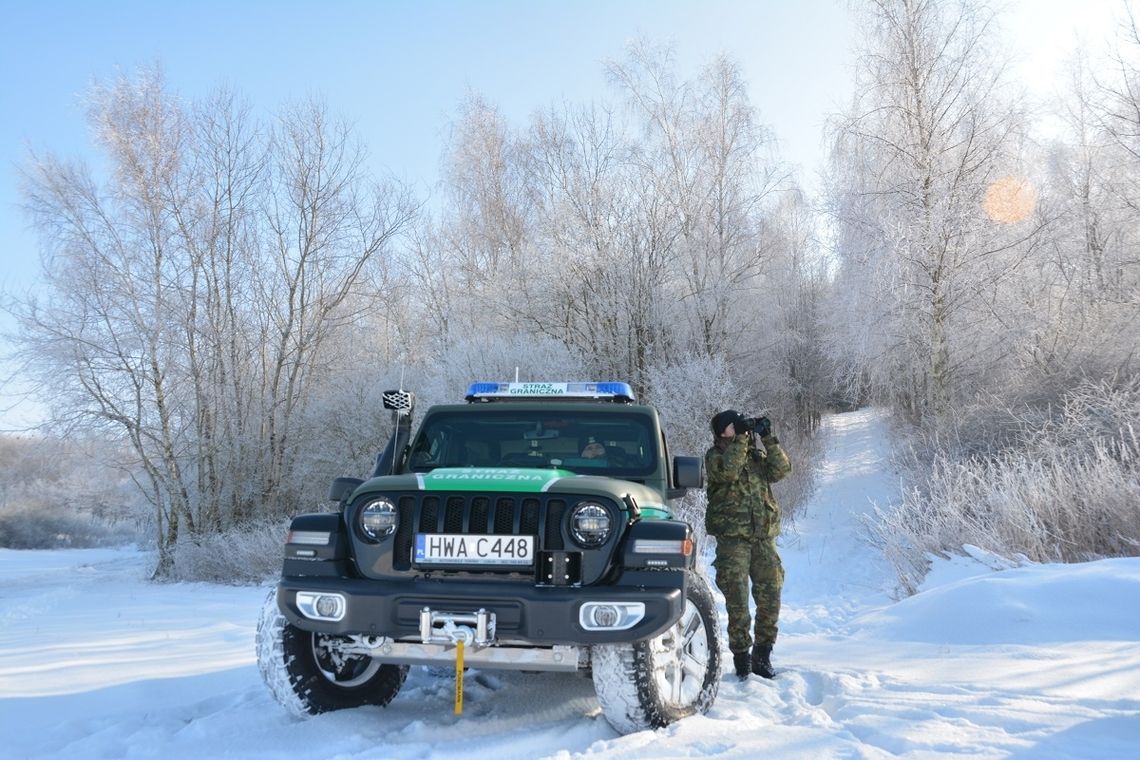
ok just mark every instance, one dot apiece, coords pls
pixel 458 549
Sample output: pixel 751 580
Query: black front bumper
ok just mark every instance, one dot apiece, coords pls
pixel 538 615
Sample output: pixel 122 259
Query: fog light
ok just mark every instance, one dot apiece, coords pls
pixel 330 607
pixel 610 616
pixel 605 616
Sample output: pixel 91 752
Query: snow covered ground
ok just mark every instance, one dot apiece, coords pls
pixel 1031 662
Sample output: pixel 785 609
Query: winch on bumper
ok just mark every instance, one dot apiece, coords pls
pixel 533 615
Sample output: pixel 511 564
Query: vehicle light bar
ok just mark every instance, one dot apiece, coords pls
pixel 605 390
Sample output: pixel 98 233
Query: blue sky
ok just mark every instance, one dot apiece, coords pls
pixel 398 69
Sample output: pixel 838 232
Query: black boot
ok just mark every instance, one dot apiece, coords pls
pixel 741 661
pixel 761 661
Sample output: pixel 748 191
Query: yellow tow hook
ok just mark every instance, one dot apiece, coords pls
pixel 459 677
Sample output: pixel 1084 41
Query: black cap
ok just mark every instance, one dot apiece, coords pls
pixel 721 420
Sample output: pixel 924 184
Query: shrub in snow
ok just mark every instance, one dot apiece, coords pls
pixel 248 554
pixel 1064 489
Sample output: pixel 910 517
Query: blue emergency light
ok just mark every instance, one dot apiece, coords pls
pixel 605 391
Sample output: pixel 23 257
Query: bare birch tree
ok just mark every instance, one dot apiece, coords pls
pixel 931 130
pixel 606 240
pixel 191 298
pixel 326 227
pixel 105 342
pixel 794 363
pixel 712 166
pixel 1087 294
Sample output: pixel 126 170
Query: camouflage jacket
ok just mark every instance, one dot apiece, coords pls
pixel 740 503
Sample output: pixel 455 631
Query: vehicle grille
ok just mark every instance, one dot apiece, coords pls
pixel 538 515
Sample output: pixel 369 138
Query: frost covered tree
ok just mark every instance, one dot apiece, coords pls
pixel 1073 312
pixel 930 136
pixel 637 235
pixel 485 225
pixel 793 360
pixel 192 293
pixel 1074 309
pixel 329 225
pixel 1113 267
pixel 711 164
pixel 605 241
pixel 1038 457
pixel 109 334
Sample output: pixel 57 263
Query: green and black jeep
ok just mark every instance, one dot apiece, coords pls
pixel 528 529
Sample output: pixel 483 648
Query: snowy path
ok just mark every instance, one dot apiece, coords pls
pixel 831 572
pixel 1036 662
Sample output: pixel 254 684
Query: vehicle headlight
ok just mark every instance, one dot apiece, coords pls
pixel 378 518
pixel 590 524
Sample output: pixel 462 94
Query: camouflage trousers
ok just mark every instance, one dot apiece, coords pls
pixel 739 560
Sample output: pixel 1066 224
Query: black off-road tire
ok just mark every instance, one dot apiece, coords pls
pixel 296 668
pixel 652 683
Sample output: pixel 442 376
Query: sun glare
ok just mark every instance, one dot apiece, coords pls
pixel 1010 200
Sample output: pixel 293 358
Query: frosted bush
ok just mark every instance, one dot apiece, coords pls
pixel 1064 490
pixel 249 554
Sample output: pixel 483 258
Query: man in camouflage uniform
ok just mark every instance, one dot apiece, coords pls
pixel 743 516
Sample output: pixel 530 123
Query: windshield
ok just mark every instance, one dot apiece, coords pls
pixel 588 443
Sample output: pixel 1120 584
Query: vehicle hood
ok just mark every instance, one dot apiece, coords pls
pixel 519 480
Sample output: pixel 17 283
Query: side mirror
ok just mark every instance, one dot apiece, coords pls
pixel 688 472
pixel 342 488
